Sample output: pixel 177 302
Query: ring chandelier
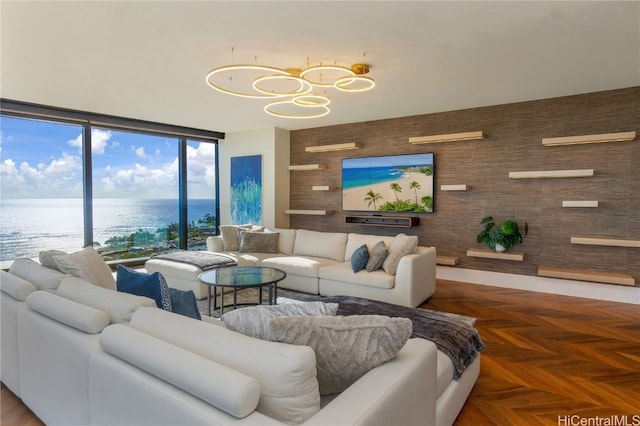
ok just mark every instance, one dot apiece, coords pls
pixel 295 93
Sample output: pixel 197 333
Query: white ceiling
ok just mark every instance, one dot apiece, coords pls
pixel 148 60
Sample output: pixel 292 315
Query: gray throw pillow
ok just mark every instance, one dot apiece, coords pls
pixel 259 242
pixel 231 236
pixel 400 246
pixel 254 320
pixel 359 258
pixel 377 255
pixel 46 258
pixel 88 265
pixel 346 347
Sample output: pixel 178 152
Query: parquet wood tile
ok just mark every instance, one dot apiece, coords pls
pixel 546 356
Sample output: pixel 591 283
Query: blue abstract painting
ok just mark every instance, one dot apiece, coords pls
pixel 246 189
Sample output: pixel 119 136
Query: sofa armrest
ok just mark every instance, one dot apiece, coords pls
pixel 215 244
pixel 401 391
pixel 416 275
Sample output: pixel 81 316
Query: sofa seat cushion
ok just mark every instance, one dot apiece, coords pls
pixel 227 389
pixel 38 275
pixel 342 272
pixel 76 315
pixel 15 286
pixel 119 306
pixel 286 373
pixel 445 371
pixel 305 266
pixel 330 245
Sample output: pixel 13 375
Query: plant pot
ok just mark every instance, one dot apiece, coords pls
pixel 500 248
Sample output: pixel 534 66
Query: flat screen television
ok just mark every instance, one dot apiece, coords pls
pixel 390 183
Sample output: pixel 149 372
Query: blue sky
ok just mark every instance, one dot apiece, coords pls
pixel 44 160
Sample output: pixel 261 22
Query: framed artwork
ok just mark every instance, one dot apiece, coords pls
pixel 246 189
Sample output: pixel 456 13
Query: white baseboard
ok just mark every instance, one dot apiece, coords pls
pixel 589 290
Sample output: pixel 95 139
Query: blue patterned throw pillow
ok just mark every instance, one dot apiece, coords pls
pixel 152 286
pixel 359 258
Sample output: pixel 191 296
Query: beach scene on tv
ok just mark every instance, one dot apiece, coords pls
pixel 394 183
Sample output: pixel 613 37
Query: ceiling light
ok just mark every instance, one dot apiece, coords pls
pixel 291 86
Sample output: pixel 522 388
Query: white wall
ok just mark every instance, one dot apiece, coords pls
pixel 273 144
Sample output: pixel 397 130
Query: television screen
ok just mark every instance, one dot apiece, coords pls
pixel 391 183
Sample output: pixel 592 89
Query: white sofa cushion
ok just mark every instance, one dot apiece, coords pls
pixel 73 314
pixel 88 265
pixel 344 273
pixel 354 241
pixel 346 346
pixel 119 306
pixel 286 373
pixel 15 286
pixel 38 275
pixel 229 390
pixel 330 245
pixel 286 241
pixel 298 265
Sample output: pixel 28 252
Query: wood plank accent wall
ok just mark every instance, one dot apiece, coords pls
pixel 512 143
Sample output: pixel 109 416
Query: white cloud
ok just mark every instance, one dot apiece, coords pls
pixel 60 178
pixel 99 141
pixel 140 153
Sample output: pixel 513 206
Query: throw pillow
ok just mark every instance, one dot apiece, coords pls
pixel 152 286
pixel 346 347
pixel 359 258
pixel 401 245
pixel 254 321
pixel 88 265
pixel 46 258
pixel 184 303
pixel 377 255
pixel 258 242
pixel 231 236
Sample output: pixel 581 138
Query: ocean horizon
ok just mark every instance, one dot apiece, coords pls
pixel 364 176
pixel 29 226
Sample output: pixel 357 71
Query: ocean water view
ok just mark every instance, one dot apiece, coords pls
pixel 360 176
pixel 28 226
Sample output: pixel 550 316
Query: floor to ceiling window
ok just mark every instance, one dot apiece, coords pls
pixel 64 186
pixel 40 187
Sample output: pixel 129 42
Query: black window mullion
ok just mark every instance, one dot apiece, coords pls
pixel 87 185
pixel 183 224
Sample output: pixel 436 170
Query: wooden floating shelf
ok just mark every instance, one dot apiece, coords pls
pixel 605 241
pixel 447 260
pixel 490 254
pixel 306 167
pixel 310 212
pixel 551 174
pixel 587 275
pixel 392 221
pixel 579 204
pixel 320 188
pixel 451 137
pixel 453 187
pixel 586 139
pixel 335 147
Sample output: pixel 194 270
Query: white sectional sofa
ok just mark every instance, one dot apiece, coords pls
pixel 76 354
pixel 320 263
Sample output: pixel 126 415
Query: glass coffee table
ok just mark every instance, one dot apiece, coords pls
pixel 239 277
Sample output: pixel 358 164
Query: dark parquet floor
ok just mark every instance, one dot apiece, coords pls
pixel 549 360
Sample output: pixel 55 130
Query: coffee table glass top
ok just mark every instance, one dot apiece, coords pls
pixel 242 276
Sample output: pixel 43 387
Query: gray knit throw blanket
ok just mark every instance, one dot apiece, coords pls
pixel 202 260
pixel 457 339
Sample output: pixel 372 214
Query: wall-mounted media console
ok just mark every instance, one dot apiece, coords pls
pixel 397 221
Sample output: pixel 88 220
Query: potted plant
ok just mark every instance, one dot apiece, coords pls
pixel 500 238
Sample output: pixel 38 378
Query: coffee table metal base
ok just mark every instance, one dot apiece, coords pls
pixel 272 300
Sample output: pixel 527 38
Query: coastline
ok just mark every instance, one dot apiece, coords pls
pixel 354 198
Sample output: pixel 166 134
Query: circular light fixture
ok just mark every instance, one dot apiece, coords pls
pixel 358 83
pixel 316 74
pixel 243 67
pixel 272 109
pixel 303 86
pixel 311 100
